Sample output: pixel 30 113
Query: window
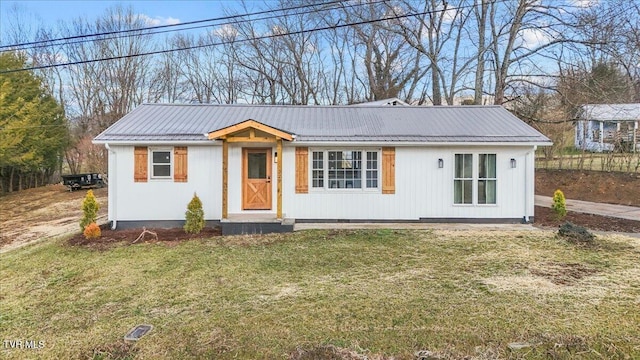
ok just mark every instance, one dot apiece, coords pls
pixel 463 181
pixel 160 163
pixel 317 174
pixel 485 180
pixel 372 169
pixel 345 169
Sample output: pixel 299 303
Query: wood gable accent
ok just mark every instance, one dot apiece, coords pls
pixel 388 170
pixel 140 164
pixel 180 164
pixel 302 170
pixel 232 133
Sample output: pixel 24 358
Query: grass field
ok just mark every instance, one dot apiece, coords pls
pixel 379 293
pixel 591 161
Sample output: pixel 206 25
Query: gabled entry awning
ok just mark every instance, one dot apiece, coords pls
pixel 250 131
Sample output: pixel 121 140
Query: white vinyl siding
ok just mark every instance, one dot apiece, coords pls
pixel 164 200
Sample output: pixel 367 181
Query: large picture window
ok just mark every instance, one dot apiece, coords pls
pixel 345 169
pixel 485 179
pixel 161 163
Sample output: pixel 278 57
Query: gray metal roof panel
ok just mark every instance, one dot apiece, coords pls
pixel 329 123
pixel 610 112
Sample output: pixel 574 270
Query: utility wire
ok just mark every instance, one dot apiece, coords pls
pixel 46 43
pixel 271 36
pixel 14 46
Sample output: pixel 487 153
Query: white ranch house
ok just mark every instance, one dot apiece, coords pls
pixel 263 164
pixel 608 127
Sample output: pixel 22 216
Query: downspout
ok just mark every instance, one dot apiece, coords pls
pixel 111 187
pixel 527 183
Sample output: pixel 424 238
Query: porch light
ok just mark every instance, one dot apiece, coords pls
pixel 513 163
pixel 440 163
pixel 275 157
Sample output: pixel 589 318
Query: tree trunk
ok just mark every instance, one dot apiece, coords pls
pixel 11 179
pixel 482 24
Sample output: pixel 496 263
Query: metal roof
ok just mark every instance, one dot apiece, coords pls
pixel 433 124
pixel 610 112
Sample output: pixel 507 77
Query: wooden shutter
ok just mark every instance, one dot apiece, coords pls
pixel 302 170
pixel 180 164
pixel 140 164
pixel 388 170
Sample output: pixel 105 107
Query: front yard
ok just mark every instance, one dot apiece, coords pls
pixel 314 293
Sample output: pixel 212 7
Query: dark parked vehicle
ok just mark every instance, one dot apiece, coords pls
pixel 78 181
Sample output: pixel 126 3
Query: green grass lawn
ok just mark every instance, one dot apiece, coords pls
pixel 379 293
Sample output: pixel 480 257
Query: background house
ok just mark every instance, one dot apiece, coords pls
pixel 607 127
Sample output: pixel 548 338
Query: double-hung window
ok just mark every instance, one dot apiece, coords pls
pixel 487 179
pixel 161 163
pixel 345 169
pixel 463 180
pixel 479 189
pixel 317 172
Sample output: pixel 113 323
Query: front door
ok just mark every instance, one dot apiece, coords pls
pixel 256 179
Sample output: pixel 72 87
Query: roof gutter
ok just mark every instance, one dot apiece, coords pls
pixel 335 143
pixel 154 142
pixel 419 143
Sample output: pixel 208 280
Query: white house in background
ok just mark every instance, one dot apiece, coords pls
pixel 607 127
pixel 266 163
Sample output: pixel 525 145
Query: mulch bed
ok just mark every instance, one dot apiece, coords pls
pixel 168 237
pixel 545 217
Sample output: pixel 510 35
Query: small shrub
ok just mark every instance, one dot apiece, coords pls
pixel 576 234
pixel 92 231
pixel 559 205
pixel 89 209
pixel 194 217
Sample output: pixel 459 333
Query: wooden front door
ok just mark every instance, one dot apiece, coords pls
pixel 256 179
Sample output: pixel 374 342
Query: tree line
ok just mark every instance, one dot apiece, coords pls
pixel 541 59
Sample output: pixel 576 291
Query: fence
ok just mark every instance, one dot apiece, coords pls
pixel 624 162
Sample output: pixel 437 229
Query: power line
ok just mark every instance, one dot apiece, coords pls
pixel 271 36
pixel 14 46
pixel 46 43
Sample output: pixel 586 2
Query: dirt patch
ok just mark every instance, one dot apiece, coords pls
pixel 111 238
pixel 562 273
pixel 597 186
pixel 545 217
pixel 43 212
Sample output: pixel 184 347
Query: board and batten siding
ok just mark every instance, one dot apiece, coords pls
pixel 422 190
pixel 165 199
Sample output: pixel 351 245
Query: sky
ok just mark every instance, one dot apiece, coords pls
pixel 158 12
